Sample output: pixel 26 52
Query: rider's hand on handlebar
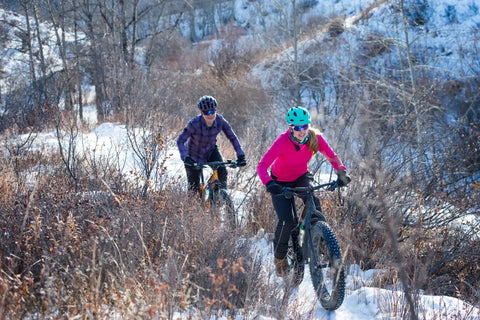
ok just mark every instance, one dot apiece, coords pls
pixel 188 161
pixel 241 161
pixel 274 188
pixel 343 179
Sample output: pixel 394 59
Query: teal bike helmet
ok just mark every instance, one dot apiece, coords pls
pixel 298 116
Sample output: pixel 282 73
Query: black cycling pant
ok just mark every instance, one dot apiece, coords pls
pixel 193 174
pixel 286 220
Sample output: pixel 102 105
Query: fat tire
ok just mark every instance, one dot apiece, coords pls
pixel 324 239
pixel 221 198
pixel 295 261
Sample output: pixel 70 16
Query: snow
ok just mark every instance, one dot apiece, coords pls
pixel 14 61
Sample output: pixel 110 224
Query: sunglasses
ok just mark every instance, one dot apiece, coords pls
pixel 300 128
pixel 208 112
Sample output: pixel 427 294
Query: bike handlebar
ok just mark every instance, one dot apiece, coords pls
pixel 289 191
pixel 215 164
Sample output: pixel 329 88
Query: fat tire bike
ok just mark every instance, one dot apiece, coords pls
pixel 313 241
pixel 214 193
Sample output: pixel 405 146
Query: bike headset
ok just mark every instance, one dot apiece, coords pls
pixel 207 103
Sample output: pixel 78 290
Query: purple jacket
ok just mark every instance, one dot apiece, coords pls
pixel 198 141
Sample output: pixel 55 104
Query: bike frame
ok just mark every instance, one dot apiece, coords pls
pixel 320 250
pixel 213 181
pixel 306 218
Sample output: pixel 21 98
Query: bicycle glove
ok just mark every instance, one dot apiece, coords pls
pixel 188 161
pixel 274 188
pixel 343 178
pixel 241 161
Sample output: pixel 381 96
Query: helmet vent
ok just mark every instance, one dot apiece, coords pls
pixel 207 103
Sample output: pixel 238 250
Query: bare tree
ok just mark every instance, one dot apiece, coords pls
pixel 88 13
pixel 67 138
pixel 27 37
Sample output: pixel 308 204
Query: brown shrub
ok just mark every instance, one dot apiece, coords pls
pixel 88 253
pixel 336 27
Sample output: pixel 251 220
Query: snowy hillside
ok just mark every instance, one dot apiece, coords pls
pixel 443 36
pixel 14 56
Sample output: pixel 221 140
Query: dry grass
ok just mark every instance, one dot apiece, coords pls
pixel 111 251
pixel 72 254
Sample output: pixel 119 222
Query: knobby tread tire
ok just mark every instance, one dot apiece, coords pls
pixel 324 239
pixel 296 262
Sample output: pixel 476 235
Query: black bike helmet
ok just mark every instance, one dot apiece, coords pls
pixel 207 103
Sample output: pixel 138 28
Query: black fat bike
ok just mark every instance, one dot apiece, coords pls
pixel 312 241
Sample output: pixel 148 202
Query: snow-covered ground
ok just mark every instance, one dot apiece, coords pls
pixel 363 301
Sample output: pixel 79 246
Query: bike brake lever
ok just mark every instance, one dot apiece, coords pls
pixel 333 186
pixel 231 163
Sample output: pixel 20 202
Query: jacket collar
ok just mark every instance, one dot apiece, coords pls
pixel 204 123
pixel 295 143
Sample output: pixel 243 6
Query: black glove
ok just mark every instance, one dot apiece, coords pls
pixel 188 161
pixel 273 187
pixel 241 162
pixel 343 178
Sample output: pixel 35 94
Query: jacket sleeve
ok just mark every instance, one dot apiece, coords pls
pixel 227 129
pixel 267 160
pixel 182 139
pixel 331 156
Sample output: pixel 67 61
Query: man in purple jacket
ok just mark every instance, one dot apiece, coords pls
pixel 198 142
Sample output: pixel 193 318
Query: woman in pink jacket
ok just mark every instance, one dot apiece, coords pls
pixel 288 158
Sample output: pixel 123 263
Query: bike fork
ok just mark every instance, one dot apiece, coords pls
pixel 312 253
pixel 296 246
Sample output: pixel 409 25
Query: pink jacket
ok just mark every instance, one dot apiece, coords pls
pixel 287 163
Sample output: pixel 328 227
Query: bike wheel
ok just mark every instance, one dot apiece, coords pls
pixel 295 261
pixel 328 275
pixel 223 204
